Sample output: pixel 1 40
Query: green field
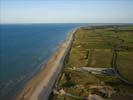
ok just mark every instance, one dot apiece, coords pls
pixel 93 47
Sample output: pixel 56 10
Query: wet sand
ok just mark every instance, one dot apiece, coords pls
pixel 40 87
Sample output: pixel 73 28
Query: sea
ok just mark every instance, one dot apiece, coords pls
pixel 24 48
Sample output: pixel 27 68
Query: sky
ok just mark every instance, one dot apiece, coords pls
pixel 66 11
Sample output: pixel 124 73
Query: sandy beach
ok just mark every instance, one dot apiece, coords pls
pixel 40 87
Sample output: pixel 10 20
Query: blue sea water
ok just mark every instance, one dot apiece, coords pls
pixel 23 48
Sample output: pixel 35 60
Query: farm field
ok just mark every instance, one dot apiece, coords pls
pixel 95 47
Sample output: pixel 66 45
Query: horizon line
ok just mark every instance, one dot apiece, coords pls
pixel 76 23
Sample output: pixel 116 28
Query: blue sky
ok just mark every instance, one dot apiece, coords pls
pixel 66 11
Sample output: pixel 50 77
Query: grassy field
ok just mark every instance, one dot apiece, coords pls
pixel 92 47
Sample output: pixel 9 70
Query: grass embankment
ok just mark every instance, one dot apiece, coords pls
pixel 93 48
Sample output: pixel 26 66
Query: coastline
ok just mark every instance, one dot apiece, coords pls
pixel 40 86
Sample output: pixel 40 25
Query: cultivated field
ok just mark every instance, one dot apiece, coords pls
pixel 99 47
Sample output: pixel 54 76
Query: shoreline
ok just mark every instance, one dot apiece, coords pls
pixel 40 86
